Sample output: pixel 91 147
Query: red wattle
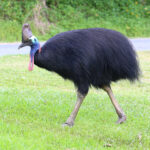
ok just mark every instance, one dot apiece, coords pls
pixel 40 49
pixel 31 64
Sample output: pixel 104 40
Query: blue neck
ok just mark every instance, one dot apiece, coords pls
pixel 34 48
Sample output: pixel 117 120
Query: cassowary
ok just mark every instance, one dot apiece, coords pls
pixel 88 57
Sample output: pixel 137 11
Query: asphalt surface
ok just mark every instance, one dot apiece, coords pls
pixel 140 44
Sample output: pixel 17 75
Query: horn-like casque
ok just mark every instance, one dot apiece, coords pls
pixel 26 32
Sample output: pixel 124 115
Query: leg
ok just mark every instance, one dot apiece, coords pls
pixel 70 120
pixel 118 109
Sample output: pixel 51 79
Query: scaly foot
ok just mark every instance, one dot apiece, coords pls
pixel 121 119
pixel 66 124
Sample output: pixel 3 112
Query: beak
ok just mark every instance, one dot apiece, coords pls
pixel 28 43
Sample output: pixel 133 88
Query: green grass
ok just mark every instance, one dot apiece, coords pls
pixel 10 31
pixel 129 27
pixel 33 105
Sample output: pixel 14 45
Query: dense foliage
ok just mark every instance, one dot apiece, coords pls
pixel 128 8
pixel 18 10
pixel 15 9
pixel 131 17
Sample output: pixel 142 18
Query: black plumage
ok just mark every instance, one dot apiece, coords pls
pixel 90 57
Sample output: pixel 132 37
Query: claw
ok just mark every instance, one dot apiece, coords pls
pixel 67 124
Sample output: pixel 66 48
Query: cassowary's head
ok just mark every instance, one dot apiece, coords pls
pixel 29 40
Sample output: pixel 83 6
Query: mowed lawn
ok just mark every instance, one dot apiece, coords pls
pixel 33 105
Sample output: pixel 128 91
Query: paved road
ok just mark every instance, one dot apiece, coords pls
pixel 12 48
